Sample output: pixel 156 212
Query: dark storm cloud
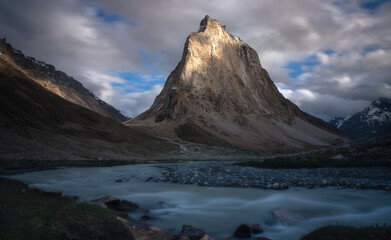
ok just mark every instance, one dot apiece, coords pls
pixel 92 39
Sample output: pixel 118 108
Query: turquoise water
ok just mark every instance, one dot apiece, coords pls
pixel 219 210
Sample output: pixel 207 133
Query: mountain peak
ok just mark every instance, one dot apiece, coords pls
pixel 373 121
pixel 220 94
pixel 208 23
pixel 381 100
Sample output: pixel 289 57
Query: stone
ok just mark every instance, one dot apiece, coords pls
pixel 117 204
pixel 262 238
pixel 143 210
pixel 127 206
pixel 276 186
pixel 284 186
pixel 147 217
pixel 287 217
pixel 243 231
pixel 206 237
pixel 226 236
pixel 142 230
pixel 256 228
pixel 191 232
pixel 118 180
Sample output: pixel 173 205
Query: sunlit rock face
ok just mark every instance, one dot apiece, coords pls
pixel 57 82
pixel 219 94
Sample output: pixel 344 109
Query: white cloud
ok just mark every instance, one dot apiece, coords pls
pixel 136 102
pixel 68 35
pixel 324 106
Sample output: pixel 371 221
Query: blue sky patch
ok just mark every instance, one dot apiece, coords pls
pixel 110 18
pixel 149 58
pixel 302 66
pixel 328 52
pixel 373 4
pixel 107 17
pixel 136 82
pixel 370 48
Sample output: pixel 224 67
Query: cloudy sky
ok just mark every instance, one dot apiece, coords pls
pixel 331 58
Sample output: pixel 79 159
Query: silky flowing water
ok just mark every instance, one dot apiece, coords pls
pixel 218 210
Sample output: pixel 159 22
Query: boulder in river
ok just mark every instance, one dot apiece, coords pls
pixel 206 237
pixel 145 231
pixel 276 186
pixel 117 204
pixel 191 232
pixel 147 217
pixel 256 228
pixel 243 231
pixel 287 217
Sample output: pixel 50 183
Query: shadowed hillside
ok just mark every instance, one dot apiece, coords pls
pixel 37 124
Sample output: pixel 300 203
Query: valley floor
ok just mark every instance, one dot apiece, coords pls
pixel 227 174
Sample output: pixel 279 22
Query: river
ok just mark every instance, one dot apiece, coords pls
pixel 218 210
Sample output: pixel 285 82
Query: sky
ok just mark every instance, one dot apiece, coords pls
pixel 331 58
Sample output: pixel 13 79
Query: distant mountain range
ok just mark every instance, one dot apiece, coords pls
pixel 58 82
pixel 373 121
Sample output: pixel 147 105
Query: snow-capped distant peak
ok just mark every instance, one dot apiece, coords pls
pixel 374 120
pixel 338 121
pixel 379 111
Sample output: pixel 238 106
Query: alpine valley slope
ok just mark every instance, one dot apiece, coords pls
pixel 58 82
pixel 219 94
pixel 37 124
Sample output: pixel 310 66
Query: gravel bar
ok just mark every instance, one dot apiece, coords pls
pixel 224 174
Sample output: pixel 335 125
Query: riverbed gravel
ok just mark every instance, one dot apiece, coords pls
pixel 225 174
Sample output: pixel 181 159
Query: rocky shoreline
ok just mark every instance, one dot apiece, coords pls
pixel 225 174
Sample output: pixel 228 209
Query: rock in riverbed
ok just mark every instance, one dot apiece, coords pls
pixel 117 204
pixel 191 233
pixel 224 174
pixel 243 231
pixel 287 217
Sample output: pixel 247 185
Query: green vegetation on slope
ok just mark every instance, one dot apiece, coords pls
pixel 32 214
pixel 334 232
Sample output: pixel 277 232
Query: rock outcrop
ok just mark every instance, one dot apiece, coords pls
pixel 58 82
pixel 219 94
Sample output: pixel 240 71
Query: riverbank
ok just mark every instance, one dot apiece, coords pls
pixel 227 174
pixel 30 213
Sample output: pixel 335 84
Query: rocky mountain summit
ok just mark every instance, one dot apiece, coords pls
pixel 219 94
pixel 58 82
pixel 373 121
